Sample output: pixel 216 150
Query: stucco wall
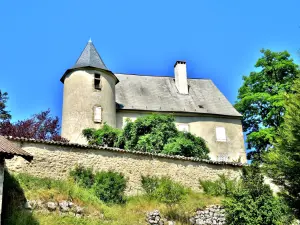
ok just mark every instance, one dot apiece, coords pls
pixel 205 127
pixel 80 98
pixel 55 161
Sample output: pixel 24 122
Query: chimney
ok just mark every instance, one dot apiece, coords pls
pixel 181 77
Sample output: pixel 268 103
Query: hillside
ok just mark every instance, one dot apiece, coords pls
pixel 20 188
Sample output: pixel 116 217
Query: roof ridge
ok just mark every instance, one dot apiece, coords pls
pixel 149 75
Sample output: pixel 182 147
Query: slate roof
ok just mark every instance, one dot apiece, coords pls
pixel 96 147
pixel 89 59
pixel 9 150
pixel 153 93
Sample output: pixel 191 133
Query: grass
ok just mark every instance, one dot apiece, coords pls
pixel 132 212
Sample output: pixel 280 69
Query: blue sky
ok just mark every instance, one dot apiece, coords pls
pixel 219 40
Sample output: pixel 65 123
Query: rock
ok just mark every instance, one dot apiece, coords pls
pixel 64 206
pixel 51 206
pixel 78 210
pixel 27 205
pixel 213 214
pixel 71 204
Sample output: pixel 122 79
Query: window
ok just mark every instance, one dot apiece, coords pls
pixel 220 134
pixel 97 114
pixel 125 119
pixel 97 82
pixel 183 127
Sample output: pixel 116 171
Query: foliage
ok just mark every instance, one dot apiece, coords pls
pixel 150 184
pixel 83 176
pixel 110 186
pixel 106 136
pixel 4 114
pixel 39 126
pixel 283 162
pixel 255 203
pixel 163 189
pixel 149 133
pixel 261 98
pixel 187 145
pixel 134 209
pixel 152 133
pixel 224 186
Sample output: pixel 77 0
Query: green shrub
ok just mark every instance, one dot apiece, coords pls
pixel 150 184
pixel 109 186
pixel 223 186
pixel 255 203
pixel 106 136
pixel 163 189
pixel 155 133
pixel 83 176
pixel 187 144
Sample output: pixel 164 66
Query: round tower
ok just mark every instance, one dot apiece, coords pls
pixel 89 96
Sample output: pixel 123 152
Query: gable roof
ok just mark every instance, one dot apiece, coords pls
pixel 9 150
pixel 153 93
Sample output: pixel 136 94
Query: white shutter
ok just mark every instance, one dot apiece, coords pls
pixel 221 134
pixel 183 127
pixel 97 114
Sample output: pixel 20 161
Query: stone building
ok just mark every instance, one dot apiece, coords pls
pixel 94 95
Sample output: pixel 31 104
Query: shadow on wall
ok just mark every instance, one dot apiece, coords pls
pixel 13 202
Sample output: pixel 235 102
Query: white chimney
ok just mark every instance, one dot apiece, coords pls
pixel 181 77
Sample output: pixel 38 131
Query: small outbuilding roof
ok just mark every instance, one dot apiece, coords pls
pixel 8 150
pixel 154 93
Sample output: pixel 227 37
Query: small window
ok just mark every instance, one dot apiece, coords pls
pixel 97 82
pixel 183 127
pixel 97 114
pixel 221 134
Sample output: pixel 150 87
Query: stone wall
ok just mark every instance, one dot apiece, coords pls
pixel 54 160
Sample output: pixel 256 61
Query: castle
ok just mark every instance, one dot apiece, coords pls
pixel 94 95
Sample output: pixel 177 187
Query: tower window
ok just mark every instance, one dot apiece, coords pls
pixel 97 82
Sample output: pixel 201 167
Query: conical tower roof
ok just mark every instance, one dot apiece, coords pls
pixel 89 59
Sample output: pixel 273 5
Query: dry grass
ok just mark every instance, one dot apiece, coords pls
pixel 133 212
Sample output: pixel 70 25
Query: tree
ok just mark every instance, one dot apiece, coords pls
pixel 4 114
pixel 39 126
pixel 152 133
pixel 283 162
pixel 254 203
pixel 261 99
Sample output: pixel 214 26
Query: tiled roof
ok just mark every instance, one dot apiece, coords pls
pixel 9 150
pixel 67 144
pixel 152 93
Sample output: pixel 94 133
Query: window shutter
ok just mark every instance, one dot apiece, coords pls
pixel 221 134
pixel 183 127
pixel 97 114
